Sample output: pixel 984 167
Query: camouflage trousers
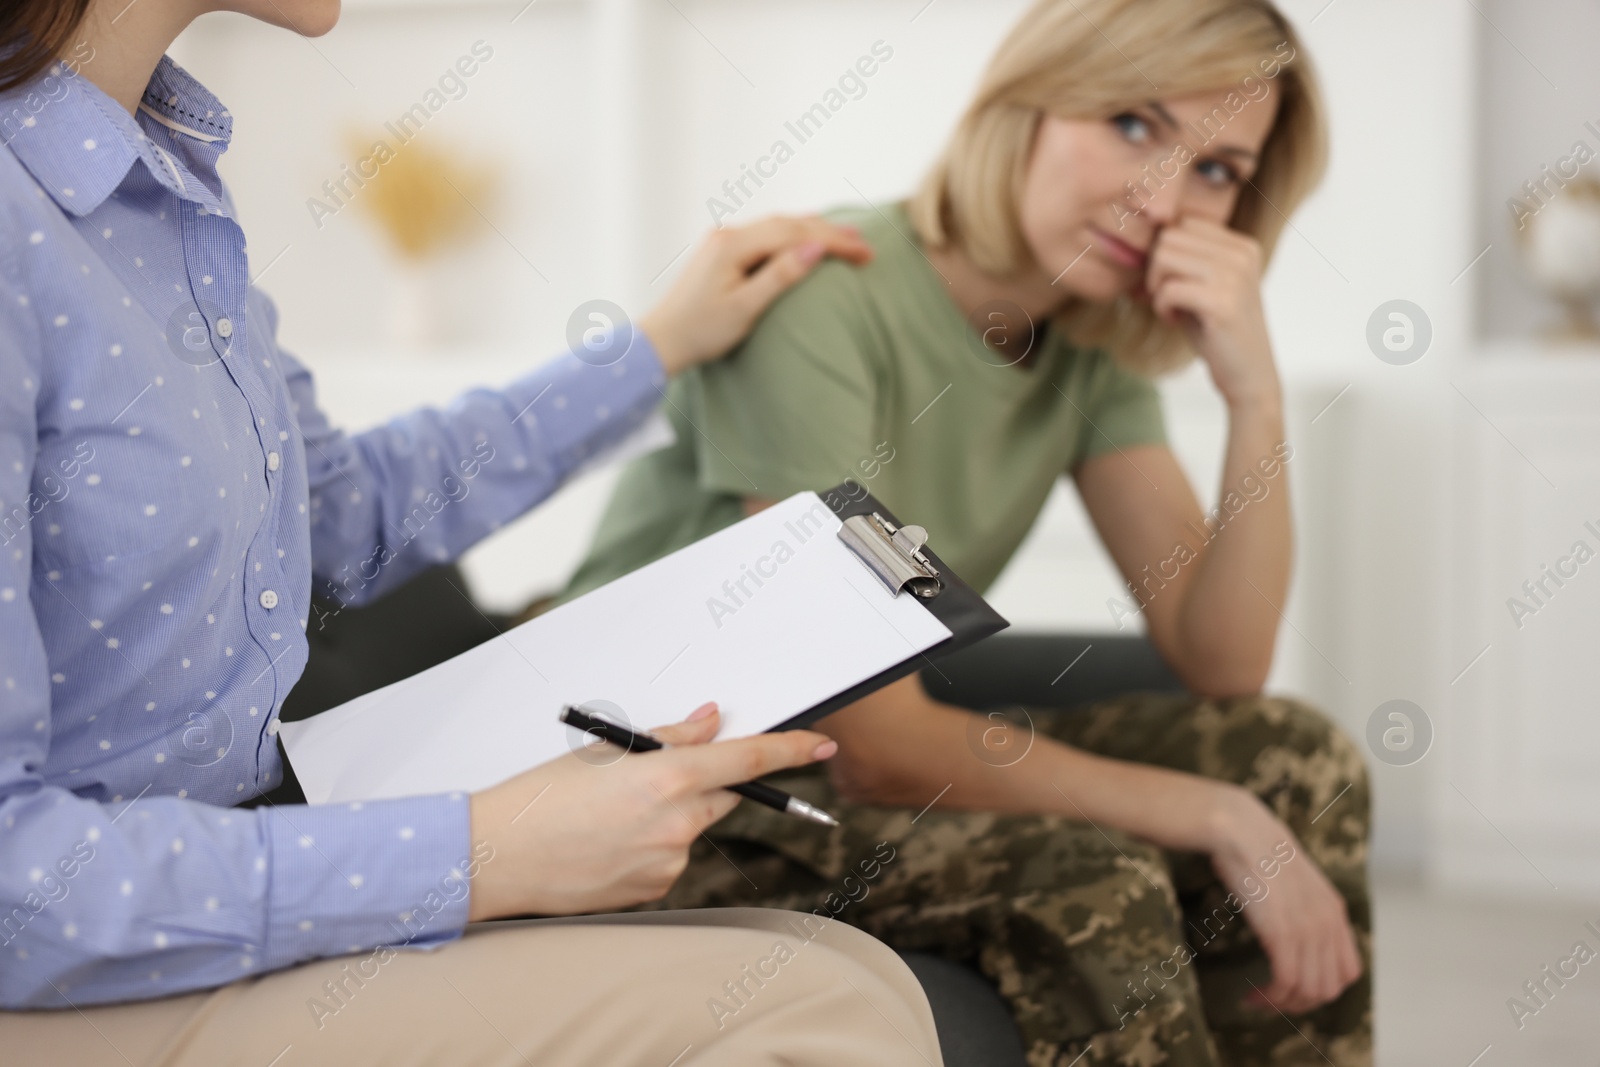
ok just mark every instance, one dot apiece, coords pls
pixel 1107 949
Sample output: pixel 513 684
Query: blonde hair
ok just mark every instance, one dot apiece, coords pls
pixel 1060 59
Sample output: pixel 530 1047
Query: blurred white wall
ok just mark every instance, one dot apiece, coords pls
pixel 615 120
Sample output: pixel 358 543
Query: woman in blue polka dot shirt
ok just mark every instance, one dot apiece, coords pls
pixel 169 494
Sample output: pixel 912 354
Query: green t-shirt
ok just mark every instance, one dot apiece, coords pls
pixel 873 373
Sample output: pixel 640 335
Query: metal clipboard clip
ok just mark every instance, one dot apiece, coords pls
pixel 894 554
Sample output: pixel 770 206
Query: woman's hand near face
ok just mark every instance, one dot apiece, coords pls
pixel 1208 277
pixel 575 835
pixel 731 279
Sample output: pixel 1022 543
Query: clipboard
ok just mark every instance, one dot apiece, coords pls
pixel 907 566
pixel 783 618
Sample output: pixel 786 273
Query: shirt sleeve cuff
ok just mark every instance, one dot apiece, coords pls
pixel 348 877
pixel 582 403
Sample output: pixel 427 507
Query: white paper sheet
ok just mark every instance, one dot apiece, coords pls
pixel 768 617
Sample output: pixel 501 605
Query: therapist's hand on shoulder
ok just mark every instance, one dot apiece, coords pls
pixel 735 274
pixel 573 836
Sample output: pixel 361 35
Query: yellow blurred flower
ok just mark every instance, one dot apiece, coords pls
pixel 424 198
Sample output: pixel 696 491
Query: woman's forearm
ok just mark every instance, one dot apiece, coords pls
pixel 974 762
pixel 1229 618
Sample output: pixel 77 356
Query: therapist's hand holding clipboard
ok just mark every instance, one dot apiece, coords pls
pixel 607 837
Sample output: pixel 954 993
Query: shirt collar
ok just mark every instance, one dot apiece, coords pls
pixel 78 143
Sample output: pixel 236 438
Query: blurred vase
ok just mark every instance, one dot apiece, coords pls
pixel 1561 247
pixel 425 199
pixel 414 319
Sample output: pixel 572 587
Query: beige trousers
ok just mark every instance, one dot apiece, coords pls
pixel 727 986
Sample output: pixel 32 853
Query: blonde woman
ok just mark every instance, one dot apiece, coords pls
pixel 1172 879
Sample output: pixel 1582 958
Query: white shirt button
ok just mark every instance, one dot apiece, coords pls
pixel 272 728
pixel 269 599
pixel 224 327
pixel 272 461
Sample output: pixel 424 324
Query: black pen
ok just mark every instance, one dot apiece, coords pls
pixel 627 740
